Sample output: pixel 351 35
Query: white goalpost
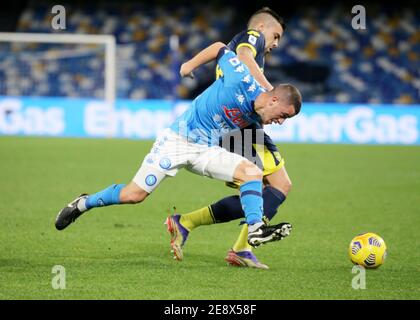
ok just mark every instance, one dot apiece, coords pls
pixel 108 41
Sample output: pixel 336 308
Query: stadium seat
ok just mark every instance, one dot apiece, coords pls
pixel 319 53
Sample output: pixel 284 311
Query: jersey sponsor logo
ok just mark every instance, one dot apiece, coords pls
pixel 236 116
pixel 165 163
pixel 23 116
pixel 150 180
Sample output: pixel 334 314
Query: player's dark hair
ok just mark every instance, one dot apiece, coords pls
pixel 292 95
pixel 295 97
pixel 272 13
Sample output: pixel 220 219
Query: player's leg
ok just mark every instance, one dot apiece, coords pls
pixel 217 163
pixel 132 193
pixel 279 180
pixel 230 208
pixel 249 176
pixel 147 178
pixel 274 194
pixel 223 165
pixel 240 170
pixel 115 194
pixel 265 154
pixel 112 195
pixel 278 185
pixel 204 216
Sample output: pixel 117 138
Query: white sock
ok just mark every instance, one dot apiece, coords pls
pixel 255 226
pixel 81 205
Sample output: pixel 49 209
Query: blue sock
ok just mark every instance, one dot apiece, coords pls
pixel 252 201
pixel 229 208
pixel 106 197
pixel 273 198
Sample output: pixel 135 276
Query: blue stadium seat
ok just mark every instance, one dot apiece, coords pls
pixel 380 64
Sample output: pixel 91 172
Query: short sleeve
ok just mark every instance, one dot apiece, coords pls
pixel 253 40
pixel 233 69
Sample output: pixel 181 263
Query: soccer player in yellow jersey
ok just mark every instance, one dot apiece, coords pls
pixel 264 31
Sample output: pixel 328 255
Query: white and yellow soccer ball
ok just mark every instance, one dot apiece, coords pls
pixel 368 250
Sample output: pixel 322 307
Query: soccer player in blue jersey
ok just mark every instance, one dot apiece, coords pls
pixel 232 102
pixel 265 29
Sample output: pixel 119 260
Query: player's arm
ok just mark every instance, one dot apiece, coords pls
pixel 206 55
pixel 232 68
pixel 246 55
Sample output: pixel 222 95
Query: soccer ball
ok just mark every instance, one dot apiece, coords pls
pixel 367 250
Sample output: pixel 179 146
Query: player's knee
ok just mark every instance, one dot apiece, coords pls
pixel 247 171
pixel 286 186
pixel 280 181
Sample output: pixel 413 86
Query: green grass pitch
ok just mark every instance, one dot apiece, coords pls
pixel 122 252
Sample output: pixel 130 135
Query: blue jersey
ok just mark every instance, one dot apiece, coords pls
pixel 226 105
pixel 251 39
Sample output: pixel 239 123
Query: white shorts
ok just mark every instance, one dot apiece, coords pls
pixel 171 152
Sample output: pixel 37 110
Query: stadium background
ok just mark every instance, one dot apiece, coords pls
pixel 359 87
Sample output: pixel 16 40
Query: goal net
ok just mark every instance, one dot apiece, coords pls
pixel 58 65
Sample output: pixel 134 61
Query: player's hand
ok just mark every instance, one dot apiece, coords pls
pixel 186 71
